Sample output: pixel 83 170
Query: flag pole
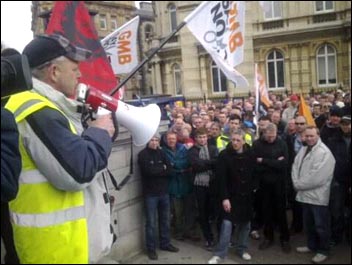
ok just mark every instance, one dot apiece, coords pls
pixel 179 27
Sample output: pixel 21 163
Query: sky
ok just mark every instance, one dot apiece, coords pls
pixel 16 19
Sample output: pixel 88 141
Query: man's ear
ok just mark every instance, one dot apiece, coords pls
pixel 54 72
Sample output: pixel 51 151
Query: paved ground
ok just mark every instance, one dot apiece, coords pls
pixel 194 253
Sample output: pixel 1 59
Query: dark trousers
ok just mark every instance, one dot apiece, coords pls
pixel 297 217
pixel 274 210
pixel 257 220
pixel 337 210
pixel 204 207
pixel 157 206
pixel 317 227
pixel 7 235
pixel 183 214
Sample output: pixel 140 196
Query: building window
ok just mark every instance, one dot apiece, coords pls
pixel 326 63
pixel 177 79
pixel 324 6
pixel 172 13
pixel 113 23
pixel 148 32
pixel 102 22
pixel 275 66
pixel 219 79
pixel 272 10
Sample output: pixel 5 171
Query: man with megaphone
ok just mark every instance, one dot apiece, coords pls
pixel 61 214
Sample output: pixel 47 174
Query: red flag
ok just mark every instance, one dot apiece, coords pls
pixel 72 20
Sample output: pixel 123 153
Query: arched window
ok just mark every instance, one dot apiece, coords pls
pixel 177 79
pixel 219 79
pixel 173 19
pixel 148 31
pixel 326 65
pixel 275 66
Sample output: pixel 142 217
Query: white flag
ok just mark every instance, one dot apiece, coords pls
pixel 121 47
pixel 261 89
pixel 219 27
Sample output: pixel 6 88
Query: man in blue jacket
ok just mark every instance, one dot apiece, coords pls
pixel 180 184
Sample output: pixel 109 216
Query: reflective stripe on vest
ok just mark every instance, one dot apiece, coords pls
pixel 43 220
pixel 49 224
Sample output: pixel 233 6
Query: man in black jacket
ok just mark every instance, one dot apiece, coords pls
pixel 203 162
pixel 155 169
pixel 339 147
pixel 271 157
pixel 10 170
pixel 235 174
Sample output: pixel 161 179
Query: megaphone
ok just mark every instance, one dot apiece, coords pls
pixel 142 122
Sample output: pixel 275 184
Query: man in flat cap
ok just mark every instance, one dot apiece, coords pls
pixel 60 215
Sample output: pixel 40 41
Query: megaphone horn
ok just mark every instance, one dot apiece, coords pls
pixel 142 122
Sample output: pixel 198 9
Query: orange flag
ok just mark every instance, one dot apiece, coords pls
pixel 304 111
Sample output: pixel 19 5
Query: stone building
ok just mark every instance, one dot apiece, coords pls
pixel 299 46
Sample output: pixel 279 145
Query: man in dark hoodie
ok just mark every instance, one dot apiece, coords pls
pixel 155 169
pixel 271 158
pixel 331 128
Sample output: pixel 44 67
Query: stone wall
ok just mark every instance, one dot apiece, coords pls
pixel 127 216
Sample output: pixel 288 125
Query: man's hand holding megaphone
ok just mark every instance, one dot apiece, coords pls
pixel 95 117
pixel 105 122
pixel 142 122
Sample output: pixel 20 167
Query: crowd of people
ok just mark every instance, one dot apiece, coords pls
pixel 216 168
pixel 237 178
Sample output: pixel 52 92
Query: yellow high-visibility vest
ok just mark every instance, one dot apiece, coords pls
pixel 221 142
pixel 49 225
pixel 248 139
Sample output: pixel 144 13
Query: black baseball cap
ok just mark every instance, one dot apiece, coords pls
pixel 45 48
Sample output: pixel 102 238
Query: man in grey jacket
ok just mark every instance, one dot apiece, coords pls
pixel 312 172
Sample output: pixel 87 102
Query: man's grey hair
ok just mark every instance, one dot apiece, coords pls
pixel 239 132
pixel 271 127
pixel 39 72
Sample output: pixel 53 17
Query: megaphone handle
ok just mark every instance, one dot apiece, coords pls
pixel 116 125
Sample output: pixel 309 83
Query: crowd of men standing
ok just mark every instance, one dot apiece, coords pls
pixel 216 165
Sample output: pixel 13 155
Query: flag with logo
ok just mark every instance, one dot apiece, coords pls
pixel 219 27
pixel 121 47
pixel 304 111
pixel 260 86
pixel 72 20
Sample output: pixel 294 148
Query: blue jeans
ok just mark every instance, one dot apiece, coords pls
pixel 316 222
pixel 157 205
pixel 241 238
